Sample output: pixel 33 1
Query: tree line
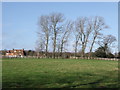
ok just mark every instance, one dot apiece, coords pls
pixel 58 34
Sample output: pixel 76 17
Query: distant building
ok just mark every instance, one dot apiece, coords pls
pixel 15 53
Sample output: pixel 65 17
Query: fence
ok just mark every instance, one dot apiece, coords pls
pixel 96 58
pixel 71 57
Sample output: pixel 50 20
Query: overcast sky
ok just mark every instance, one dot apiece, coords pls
pixel 20 19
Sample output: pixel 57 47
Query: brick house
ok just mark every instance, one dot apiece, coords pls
pixel 15 53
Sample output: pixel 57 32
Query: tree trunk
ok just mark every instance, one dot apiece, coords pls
pixel 76 49
pixel 92 46
pixel 83 49
pixel 54 46
pixel 46 47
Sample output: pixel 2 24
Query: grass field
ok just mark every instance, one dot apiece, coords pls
pixel 59 73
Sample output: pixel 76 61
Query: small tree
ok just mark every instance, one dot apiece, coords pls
pixel 100 52
pixel 118 54
pixel 106 42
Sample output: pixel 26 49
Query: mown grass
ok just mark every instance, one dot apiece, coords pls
pixel 59 73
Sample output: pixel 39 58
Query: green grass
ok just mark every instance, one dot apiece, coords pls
pixel 59 73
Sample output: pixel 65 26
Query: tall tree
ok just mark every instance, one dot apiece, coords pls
pixel 98 24
pixel 65 35
pixel 84 28
pixel 76 40
pixel 76 44
pixel 56 20
pixel 44 24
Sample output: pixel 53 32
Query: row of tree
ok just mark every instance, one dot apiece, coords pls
pixel 98 53
pixel 58 33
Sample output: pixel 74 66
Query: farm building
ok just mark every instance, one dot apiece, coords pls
pixel 15 53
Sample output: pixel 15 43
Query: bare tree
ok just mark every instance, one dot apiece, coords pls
pixel 45 32
pixel 77 41
pixel 55 20
pixel 109 39
pixel 58 46
pixel 65 35
pixel 84 28
pixel 106 42
pixel 98 24
pixel 76 44
pixel 40 45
